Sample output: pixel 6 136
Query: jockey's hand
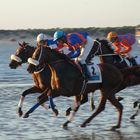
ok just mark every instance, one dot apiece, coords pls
pixel 123 54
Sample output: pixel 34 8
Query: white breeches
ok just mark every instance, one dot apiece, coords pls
pixel 86 50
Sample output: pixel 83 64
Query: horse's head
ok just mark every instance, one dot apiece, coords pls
pixel 43 56
pixel 39 59
pixel 21 56
pixel 100 47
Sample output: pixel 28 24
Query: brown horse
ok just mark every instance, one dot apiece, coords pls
pixel 71 81
pixel 21 56
pixel 103 49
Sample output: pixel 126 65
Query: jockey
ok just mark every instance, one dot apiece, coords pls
pixel 80 43
pixel 42 40
pixel 123 44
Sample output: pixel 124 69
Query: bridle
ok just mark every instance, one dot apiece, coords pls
pixel 99 49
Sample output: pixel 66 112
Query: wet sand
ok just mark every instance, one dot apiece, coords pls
pixel 42 125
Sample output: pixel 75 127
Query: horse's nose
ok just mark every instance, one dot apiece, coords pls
pixel 12 66
pixel 29 70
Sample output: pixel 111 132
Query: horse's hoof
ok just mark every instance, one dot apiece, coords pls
pixel 55 111
pixel 132 117
pixel 65 125
pixel 26 115
pixel 135 104
pixel 20 112
pixel 82 125
pixel 113 128
pixel 68 111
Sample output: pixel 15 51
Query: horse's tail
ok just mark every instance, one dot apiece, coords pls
pixel 54 79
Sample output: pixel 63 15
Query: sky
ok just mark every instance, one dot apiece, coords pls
pixel 46 14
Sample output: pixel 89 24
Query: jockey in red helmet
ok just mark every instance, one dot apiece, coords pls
pixel 123 44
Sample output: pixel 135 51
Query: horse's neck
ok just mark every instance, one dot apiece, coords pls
pixel 109 56
pixel 106 59
pixel 30 52
pixel 105 55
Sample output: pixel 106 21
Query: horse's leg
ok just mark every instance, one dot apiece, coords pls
pixel 51 103
pixel 77 102
pixel 47 107
pixel 92 105
pixel 21 100
pixel 41 99
pixel 135 114
pixel 137 111
pixel 83 99
pixel 119 107
pixel 100 108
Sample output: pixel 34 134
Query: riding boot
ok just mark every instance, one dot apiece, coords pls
pixel 85 71
pixel 133 61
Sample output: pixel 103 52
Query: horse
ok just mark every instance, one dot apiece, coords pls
pixel 103 49
pixel 71 81
pixel 21 56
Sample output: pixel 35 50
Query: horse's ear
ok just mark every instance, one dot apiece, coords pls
pixel 24 44
pixel 20 44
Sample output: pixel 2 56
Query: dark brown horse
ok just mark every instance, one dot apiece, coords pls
pixel 21 56
pixel 103 49
pixel 71 80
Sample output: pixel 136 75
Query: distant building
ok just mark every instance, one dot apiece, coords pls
pixel 137 33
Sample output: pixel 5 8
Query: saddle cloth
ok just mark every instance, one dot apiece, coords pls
pixel 95 73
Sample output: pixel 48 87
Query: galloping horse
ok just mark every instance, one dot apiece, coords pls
pixel 71 81
pixel 22 54
pixel 103 49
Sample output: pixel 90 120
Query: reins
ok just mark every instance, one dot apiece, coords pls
pixel 100 49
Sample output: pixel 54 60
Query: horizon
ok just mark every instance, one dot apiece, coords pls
pixel 48 14
pixel 70 28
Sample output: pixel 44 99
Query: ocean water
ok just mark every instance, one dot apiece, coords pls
pixel 42 125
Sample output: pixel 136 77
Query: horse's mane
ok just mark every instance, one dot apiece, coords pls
pixel 26 45
pixel 64 57
pixel 60 55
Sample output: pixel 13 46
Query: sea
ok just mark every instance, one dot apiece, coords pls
pixel 42 124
